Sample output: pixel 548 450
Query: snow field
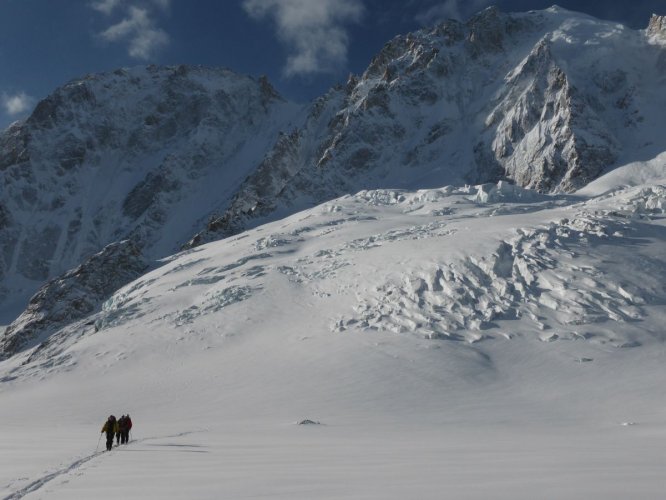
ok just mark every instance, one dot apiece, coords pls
pixel 408 461
pixel 548 385
pixel 394 423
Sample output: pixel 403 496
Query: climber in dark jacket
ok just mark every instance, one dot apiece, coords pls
pixel 124 425
pixel 111 428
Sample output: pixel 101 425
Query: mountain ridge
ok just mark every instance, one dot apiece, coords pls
pixel 540 130
pixel 499 97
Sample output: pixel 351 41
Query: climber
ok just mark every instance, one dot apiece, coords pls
pixel 124 425
pixel 111 428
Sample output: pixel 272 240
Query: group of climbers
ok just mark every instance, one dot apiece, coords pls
pixel 120 428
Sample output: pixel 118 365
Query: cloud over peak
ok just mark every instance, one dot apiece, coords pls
pixel 106 6
pixel 137 28
pixel 17 103
pixel 314 32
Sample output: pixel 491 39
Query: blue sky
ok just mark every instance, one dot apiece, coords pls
pixel 303 46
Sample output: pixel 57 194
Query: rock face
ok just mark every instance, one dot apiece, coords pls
pixel 545 99
pixel 144 154
pixel 73 295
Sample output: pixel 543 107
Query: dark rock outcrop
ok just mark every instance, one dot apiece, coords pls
pixel 73 295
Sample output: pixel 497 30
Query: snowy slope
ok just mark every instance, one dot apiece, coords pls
pixel 469 342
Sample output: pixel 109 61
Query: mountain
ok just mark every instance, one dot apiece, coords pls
pixel 145 154
pixel 546 99
pixel 174 157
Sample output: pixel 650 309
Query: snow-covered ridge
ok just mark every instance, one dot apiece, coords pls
pixel 464 264
pixel 73 296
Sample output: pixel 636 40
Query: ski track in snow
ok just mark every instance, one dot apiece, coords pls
pixel 39 483
pixel 74 466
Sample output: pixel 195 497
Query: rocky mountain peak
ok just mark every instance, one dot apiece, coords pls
pixel 268 92
pixel 486 29
pixel 53 108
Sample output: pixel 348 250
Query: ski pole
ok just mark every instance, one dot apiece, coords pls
pixel 100 438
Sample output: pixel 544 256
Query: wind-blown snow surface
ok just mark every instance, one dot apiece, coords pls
pixel 462 342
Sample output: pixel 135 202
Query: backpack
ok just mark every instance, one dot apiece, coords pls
pixel 110 424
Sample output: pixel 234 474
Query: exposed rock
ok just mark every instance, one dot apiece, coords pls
pixel 73 295
pixel 477 102
pixel 5 217
pixel 544 134
pixel 143 195
pixel 486 31
pixel 14 146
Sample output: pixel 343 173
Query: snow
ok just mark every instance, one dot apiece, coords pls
pixel 364 462
pixel 633 174
pixel 462 342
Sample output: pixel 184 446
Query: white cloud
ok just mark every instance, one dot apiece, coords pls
pixel 17 103
pixel 451 9
pixel 106 6
pixel 139 30
pixel 314 31
pixel 109 6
